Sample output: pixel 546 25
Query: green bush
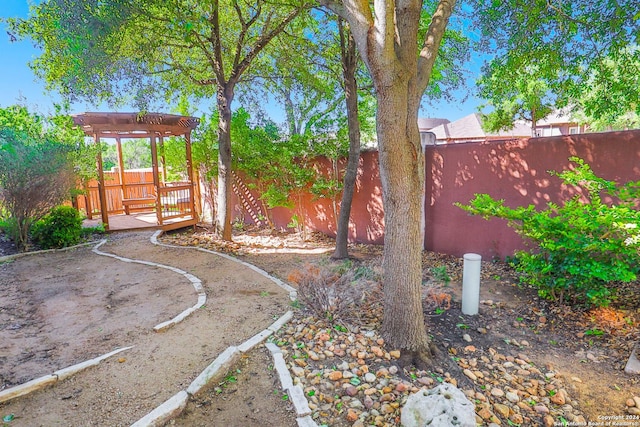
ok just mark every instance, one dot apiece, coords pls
pixel 60 228
pixel 583 247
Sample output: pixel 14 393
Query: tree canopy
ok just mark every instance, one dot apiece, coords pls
pixel 585 52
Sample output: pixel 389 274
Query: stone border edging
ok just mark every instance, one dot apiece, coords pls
pixel 197 284
pixel 59 375
pixel 44 251
pixel 293 294
pixel 174 406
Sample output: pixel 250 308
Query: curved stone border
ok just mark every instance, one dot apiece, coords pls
pixel 174 406
pixel 59 375
pixel 293 294
pixel 197 284
pixel 216 371
pixel 44 251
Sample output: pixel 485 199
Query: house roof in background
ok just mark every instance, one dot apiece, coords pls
pixel 556 118
pixel 427 123
pixel 470 128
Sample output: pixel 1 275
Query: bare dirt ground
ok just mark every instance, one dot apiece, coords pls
pixel 117 304
pixel 58 309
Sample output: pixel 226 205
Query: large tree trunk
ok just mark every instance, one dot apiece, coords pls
pixel 402 176
pixel 386 34
pixel 225 177
pixel 349 65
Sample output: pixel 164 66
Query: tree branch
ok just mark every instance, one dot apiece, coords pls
pixel 216 43
pixel 432 41
pixel 264 39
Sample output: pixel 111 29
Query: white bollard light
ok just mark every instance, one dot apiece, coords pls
pixel 471 284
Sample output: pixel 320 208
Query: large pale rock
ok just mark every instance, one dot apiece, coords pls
pixel 442 406
pixel 633 364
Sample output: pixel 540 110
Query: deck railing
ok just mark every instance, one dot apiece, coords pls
pixel 138 194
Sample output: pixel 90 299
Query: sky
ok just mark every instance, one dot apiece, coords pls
pixel 19 84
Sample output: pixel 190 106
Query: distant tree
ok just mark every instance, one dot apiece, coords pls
pixel 136 154
pixel 349 60
pixel 527 97
pixel 609 98
pixel 584 54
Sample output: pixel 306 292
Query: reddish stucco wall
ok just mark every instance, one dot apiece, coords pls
pixel 512 170
pixel 516 171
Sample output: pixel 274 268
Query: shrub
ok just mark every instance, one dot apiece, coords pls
pixel 583 247
pixel 337 295
pixel 36 174
pixel 60 228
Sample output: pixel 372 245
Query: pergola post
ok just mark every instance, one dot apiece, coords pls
pixel 156 180
pixel 187 145
pixel 123 184
pixel 163 159
pixel 101 190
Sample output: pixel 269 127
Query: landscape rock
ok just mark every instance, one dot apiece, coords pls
pixel 443 406
pixel 633 364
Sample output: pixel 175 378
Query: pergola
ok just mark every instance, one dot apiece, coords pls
pixel 174 204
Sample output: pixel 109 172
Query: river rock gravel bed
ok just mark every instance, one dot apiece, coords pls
pixel 351 378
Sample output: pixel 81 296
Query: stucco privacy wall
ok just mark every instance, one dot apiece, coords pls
pixel 515 171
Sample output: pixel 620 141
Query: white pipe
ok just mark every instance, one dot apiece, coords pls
pixel 471 284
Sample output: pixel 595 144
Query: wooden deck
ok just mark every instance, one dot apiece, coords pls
pixel 140 221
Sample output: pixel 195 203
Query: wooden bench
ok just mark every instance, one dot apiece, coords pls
pixel 127 203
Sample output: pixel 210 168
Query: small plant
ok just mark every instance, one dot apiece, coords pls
pixel 438 299
pixel 97 229
pixel 462 326
pixel 594 332
pixel 62 227
pixel 340 328
pixel 440 274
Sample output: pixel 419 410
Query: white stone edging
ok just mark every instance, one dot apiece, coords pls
pixel 44 251
pixel 196 282
pixel 293 294
pixel 173 407
pixel 59 375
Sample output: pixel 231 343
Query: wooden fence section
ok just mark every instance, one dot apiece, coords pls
pixel 515 170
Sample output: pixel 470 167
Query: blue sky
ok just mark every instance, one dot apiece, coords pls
pixel 17 81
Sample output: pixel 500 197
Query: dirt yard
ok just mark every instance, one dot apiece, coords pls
pixel 62 308
pixel 58 309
